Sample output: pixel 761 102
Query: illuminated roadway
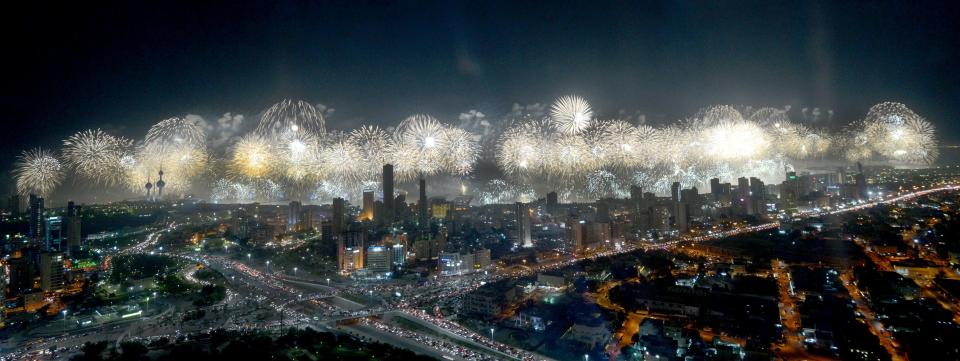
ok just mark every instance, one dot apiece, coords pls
pixel 299 309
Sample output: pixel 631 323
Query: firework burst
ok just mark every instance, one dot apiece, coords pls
pixel 37 171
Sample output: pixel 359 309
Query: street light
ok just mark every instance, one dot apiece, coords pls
pixel 328 282
pixel 491 333
pixel 294 271
pixel 64 321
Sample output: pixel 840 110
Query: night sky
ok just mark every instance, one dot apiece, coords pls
pixel 126 66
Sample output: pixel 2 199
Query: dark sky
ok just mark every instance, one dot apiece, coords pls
pixel 124 66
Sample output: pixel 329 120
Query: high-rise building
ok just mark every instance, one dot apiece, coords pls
pixel 715 189
pixel 51 271
pixel 338 218
pixel 424 219
pixel 379 259
pixel 36 218
pixel 860 181
pixel 71 228
pixel 350 250
pixel 22 274
pixel 389 203
pixel 575 234
pixel 366 214
pixel 758 196
pixel 523 225
pixel 53 234
pixel 399 254
pixel 675 191
pixel 293 216
pixel 553 206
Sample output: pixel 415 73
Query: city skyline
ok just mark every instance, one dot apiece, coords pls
pixel 481 181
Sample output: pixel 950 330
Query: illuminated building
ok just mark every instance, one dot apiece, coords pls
pixel 51 271
pixel 379 259
pixel 366 214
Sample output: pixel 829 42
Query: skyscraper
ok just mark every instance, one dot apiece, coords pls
pixel 71 228
pixel 36 218
pixel 552 204
pixel 338 219
pixel 366 214
pixel 715 189
pixel 758 195
pixel 523 225
pixel 53 234
pixel 388 196
pixel 675 191
pixel 424 219
pixel 51 271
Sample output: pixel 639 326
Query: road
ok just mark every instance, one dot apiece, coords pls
pixel 259 288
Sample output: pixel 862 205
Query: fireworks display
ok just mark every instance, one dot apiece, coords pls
pixel 536 149
pixel 98 157
pixel 37 171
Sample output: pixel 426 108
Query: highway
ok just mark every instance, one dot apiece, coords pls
pixel 253 289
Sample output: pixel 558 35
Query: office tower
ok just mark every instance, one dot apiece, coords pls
pixel 366 214
pixel 21 274
pixel 338 218
pixel 636 195
pixel 293 216
pixel 715 189
pixel 399 254
pixel 743 186
pixel 71 228
pixel 523 225
pixel 841 177
pixel 681 217
pixel 351 249
pixel 51 271
pixel 53 234
pixel 575 234
pixel 675 191
pixel 36 218
pixel 326 232
pixel 424 219
pixel 758 196
pixel 389 213
pixel 603 212
pixel 379 259
pixel 400 209
pixel 15 205
pixel 860 180
pixel 552 206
